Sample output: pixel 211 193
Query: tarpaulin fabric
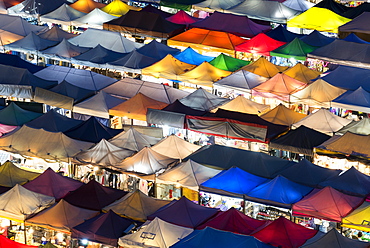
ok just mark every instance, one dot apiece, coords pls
pixel 19 26
pixel 358 127
pixel 63 15
pixel 136 205
pixel 35 7
pixel 168 118
pixel 131 62
pixel 241 80
pixel 16 61
pixel 260 44
pixel 175 147
pixel 264 68
pixel 299 5
pixel 302 73
pixel 11 175
pixel 56 34
pixel 281 115
pixel 354 12
pixel 118 8
pixel 296 49
pixel 93 196
pixel 280 33
pixel 334 6
pixel 4 129
pixel 190 56
pixel 183 18
pixel 243 105
pixel 5 243
pixel 63 51
pixel 358 219
pixel 309 174
pixel 227 63
pixel 317 39
pixel 328 204
pixel 87 6
pixel 151 9
pixel 218 4
pixel 178 107
pixel 53 184
pixel 358 100
pixel 184 212
pixel 94 19
pixel 32 43
pixel 230 23
pixel 62 217
pixel 157 50
pixel 354 38
pixel 70 90
pixel 16 116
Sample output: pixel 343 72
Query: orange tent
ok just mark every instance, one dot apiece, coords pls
pixel 136 107
pixel 302 73
pixel 86 6
pixel 264 68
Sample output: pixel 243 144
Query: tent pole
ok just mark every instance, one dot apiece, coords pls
pixel 24 232
pixel 243 204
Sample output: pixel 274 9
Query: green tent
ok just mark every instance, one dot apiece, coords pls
pixel 295 49
pixel 16 116
pixel 11 175
pixel 227 63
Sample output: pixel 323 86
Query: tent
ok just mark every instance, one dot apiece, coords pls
pixel 301 140
pixel 233 182
pixel 32 43
pixel 35 7
pixel 19 203
pixel 53 99
pixel 244 105
pixel 16 116
pixel 234 221
pixel 358 100
pixel 11 175
pixel 260 44
pixel 358 218
pixel 302 73
pixel 63 51
pixel 87 6
pixel 190 56
pixel 328 204
pixel 183 18
pixel 146 161
pixel 105 228
pixel 92 131
pixel 203 100
pixel 227 63
pixel 175 147
pixel 61 217
pixel 231 23
pixel 240 80
pixel 157 50
pixel 352 13
pixel 93 196
pixel 5 242
pixel 296 49
pixel 309 174
pixel 71 91
pixel 98 105
pixel 81 78
pixel 16 61
pixel 332 239
pixel 4 129
pixel 357 127
pixel 118 8
pixel 151 9
pixel 326 20
pixel 264 68
pixel 144 24
pixel 328 122
pixel 95 19
pixel 136 107
pixel 280 33
pixel 131 62
pixel 136 205
pixel 115 41
pixel 282 232
pixel 63 15
pixel 133 140
pixel 354 38
pixel 281 115
pixel 19 26
pixel 223 157
pixel 157 233
pixel 299 5
pixel 333 6
pixel 207 40
pixel 217 239
pixel 218 4
pixel 184 212
pixel 357 27
pixel 56 34
pixel 317 39
pixel 52 184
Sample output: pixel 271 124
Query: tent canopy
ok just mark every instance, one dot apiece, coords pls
pixel 175 147
pixel 352 13
pixel 241 80
pixel 16 61
pixel 5 242
pixel 17 25
pixel 87 6
pixel 32 43
pixel 317 39
pixel 358 218
pixel 183 18
pixel 244 105
pixel 133 140
pixel 94 19
pixel 218 4
pixel 11 175
pixel 357 127
pixel 333 6
pixel 281 115
pixel 63 15
pixel 260 44
pixel 299 5
pixel 264 68
pixel 358 100
pixel 203 100
pixel 157 50
pixel 64 51
pixel 35 7
pixel 56 34
pixel 227 63
pixel 70 90
pixel 118 8
pixel 296 49
pixel 131 62
pixel 190 56
pixel 302 73
pixel 16 116
pixel 280 33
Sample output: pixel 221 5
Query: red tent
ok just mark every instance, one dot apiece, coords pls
pixel 183 18
pixel 328 204
pixel 7 243
pixel 233 221
pixel 283 233
pixel 260 44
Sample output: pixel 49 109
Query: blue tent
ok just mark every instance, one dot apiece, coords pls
pixel 52 121
pixel 73 91
pixel 31 43
pixel 279 191
pixel 309 174
pixel 214 238
pixel 13 60
pixel 92 131
pixel 192 57
pixel 133 61
pixel 354 38
pixel 317 39
pixel 356 11
pixel 234 182
pixel 350 182
pixel 16 116
pixel 157 50
pixel 256 163
pixel 358 100
pixel 333 6
pixel 280 33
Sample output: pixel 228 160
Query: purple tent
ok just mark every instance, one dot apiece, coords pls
pixel 93 196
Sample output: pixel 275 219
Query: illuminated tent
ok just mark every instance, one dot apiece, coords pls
pixel 302 73
pixel 296 49
pixel 299 5
pixel 10 175
pixel 241 80
pixel 231 23
pixel 282 232
pixel 203 100
pixel 358 218
pixel 192 57
pixel 103 153
pixel 218 4
pixel 63 15
pixel 53 99
pixel 244 105
pixel 35 7
pixel 16 116
pixel 93 196
pixel 53 184
pixel 131 62
pixel 94 19
pixel 181 17
pixel 207 40
pixel 133 140
pixel 62 217
pixel 4 129
pixel 264 68
pixel 63 51
pixel 19 203
pixel 358 127
pixel 175 147
pixel 227 63
pixel 157 233
pixel 136 205
pixel 118 8
pixel 70 90
pixel 317 39
pixel 87 6
pixel 280 33
pixel 282 115
pixel 32 43
pixel 260 44
pixel 19 26
pixel 323 121
pixel 184 212
pixel 5 242
pixel 234 221
pixel 56 34
pixel 358 100
pixel 328 204
pixel 204 74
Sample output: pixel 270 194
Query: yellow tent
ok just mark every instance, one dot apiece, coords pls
pixel 319 19
pixel 168 68
pixel 118 8
pixel 86 6
pixel 204 74
pixel 244 105
pixel 302 73
pixel 264 68
pixel 10 175
pixel 359 218
pixel 136 107
pixel 281 115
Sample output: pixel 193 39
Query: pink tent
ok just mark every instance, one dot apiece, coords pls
pixel 182 17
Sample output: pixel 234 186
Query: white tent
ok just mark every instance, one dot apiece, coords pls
pixel 244 105
pixel 19 26
pixel 357 127
pixel 157 233
pixel 133 140
pixel 94 19
pixel 63 15
pixel 63 51
pixel 175 147
pixel 19 203
pixel 187 174
pixel 300 5
pixel 203 100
